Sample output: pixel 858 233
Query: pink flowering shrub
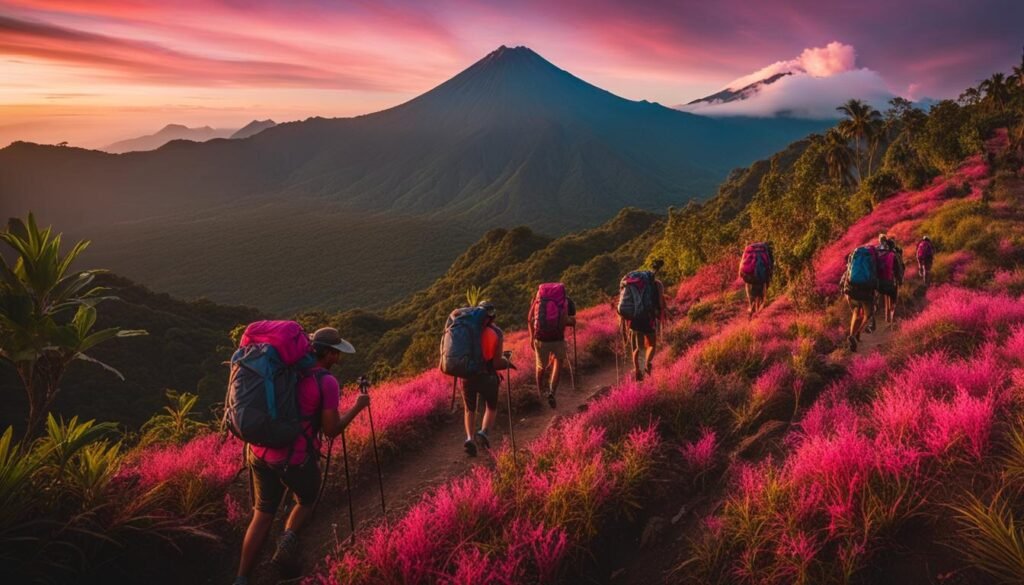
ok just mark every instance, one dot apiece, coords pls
pixel 700 454
pixel 212 457
pixel 958 320
pixel 711 280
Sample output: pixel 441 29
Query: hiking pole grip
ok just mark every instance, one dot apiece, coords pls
pixel 364 388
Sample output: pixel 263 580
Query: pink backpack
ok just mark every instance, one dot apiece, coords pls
pixel 287 337
pixel 924 250
pixel 755 265
pixel 886 265
pixel 550 311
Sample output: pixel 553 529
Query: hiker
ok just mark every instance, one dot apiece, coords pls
pixel 925 255
pixel 296 469
pixel 859 283
pixel 641 311
pixel 755 269
pixel 890 276
pixel 550 313
pixel 472 350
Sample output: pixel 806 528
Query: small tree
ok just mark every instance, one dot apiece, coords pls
pixel 47 313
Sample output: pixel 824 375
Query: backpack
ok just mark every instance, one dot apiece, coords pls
pixel 461 351
pixel 262 403
pixel 550 311
pixel 755 264
pixel 638 296
pixel 862 271
pixel 887 265
pixel 924 250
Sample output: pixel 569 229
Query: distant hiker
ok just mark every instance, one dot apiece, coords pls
pixel 296 467
pixel 550 313
pixel 641 310
pixel 890 275
pixel 756 265
pixel 859 283
pixel 925 256
pixel 471 350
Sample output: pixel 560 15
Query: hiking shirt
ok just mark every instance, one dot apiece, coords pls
pixel 570 312
pixel 310 405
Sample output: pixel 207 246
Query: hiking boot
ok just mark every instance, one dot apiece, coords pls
pixel 853 343
pixel 470 447
pixel 286 555
pixel 639 376
pixel 551 400
pixel 481 437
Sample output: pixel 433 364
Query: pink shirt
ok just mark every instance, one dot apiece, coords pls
pixel 309 405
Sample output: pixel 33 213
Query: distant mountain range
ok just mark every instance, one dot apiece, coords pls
pixel 180 132
pixel 747 91
pixel 511 140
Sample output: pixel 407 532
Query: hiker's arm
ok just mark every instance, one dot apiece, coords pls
pixel 499 362
pixel 333 422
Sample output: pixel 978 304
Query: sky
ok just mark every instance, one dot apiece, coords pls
pixel 91 72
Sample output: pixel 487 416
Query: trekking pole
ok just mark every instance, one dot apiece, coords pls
pixel 364 388
pixel 348 489
pixel 327 469
pixel 575 359
pixel 508 397
pixel 455 386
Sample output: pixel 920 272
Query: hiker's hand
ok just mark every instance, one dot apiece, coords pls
pixel 510 365
pixel 362 401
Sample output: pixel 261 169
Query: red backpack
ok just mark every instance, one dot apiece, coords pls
pixel 550 311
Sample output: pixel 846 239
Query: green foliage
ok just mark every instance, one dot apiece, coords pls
pixel 965 225
pixel 990 537
pixel 947 137
pixel 177 424
pixel 903 160
pixel 47 313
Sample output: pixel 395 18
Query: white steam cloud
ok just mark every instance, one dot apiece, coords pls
pixel 819 79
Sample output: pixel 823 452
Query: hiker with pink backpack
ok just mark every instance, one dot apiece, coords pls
pixel 756 266
pixel 890 275
pixel 281 400
pixel 550 313
pixel 642 310
pixel 925 256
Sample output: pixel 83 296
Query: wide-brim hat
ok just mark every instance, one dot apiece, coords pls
pixel 329 337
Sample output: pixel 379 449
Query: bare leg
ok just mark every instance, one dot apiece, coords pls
pixel 468 417
pixel 652 346
pixel 255 535
pixel 750 301
pixel 488 421
pixel 298 517
pixel 556 373
pixel 539 375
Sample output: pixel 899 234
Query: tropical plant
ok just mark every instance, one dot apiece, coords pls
pixel 996 90
pixel 474 294
pixel 990 537
pixel 839 157
pixel 177 425
pixel 47 313
pixel 863 125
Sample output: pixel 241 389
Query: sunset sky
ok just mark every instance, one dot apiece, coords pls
pixel 95 71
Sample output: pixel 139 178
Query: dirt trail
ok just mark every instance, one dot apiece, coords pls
pixel 438 458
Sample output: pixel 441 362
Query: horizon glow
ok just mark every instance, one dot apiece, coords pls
pixel 92 72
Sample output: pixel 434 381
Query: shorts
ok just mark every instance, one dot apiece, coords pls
pixel 271 481
pixel 756 290
pixel 641 339
pixel 647 326
pixel 544 350
pixel 858 294
pixel 887 289
pixel 485 385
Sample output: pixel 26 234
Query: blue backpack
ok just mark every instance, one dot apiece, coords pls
pixel 461 352
pixel 862 270
pixel 262 403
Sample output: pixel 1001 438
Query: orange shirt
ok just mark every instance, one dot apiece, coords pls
pixel 490 343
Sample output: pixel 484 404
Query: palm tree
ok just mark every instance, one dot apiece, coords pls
pixel 839 158
pixel 47 313
pixel 996 89
pixel 969 97
pixel 862 125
